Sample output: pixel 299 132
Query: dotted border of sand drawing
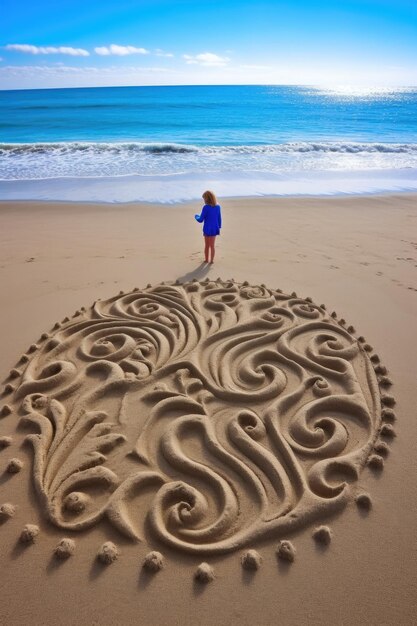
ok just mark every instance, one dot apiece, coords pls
pixel 247 412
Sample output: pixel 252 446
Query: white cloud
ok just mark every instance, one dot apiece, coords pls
pixel 120 51
pixel 74 52
pixel 208 59
pixel 58 68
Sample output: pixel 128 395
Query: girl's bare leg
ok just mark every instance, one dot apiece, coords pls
pixel 206 248
pixel 212 250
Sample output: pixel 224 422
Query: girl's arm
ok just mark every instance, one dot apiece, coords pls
pixel 220 217
pixel 200 218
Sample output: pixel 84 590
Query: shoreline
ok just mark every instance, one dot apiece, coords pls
pixel 407 195
pixel 181 187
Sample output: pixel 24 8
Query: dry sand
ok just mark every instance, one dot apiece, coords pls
pixel 268 418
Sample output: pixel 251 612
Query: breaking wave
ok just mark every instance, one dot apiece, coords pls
pixel 64 148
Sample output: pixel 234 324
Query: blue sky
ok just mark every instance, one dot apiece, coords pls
pixel 69 43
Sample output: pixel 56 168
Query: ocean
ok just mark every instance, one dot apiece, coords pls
pixel 168 144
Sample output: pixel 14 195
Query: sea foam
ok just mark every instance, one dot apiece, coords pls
pixel 37 161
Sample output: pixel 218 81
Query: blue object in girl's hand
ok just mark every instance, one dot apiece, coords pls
pixel 196 217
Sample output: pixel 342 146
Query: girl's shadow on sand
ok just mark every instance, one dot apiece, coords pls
pixel 200 272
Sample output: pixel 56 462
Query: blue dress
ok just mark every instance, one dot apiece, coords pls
pixel 212 218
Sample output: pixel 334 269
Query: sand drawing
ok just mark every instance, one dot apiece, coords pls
pixel 286 551
pixel 29 533
pixel 154 561
pixel 207 415
pixel 204 573
pixel 108 553
pixel 65 548
pixel 364 501
pixel 251 560
pixel 7 510
pixel 322 534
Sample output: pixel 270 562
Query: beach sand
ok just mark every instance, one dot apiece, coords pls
pixel 348 564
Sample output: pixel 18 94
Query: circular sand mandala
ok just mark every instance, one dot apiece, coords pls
pixel 208 415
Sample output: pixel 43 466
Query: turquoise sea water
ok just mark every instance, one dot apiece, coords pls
pixel 164 143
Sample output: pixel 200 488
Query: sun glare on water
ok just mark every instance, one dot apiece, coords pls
pixel 360 91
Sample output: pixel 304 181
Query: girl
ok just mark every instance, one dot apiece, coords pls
pixel 212 218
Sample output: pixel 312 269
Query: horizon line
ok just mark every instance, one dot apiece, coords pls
pixel 350 84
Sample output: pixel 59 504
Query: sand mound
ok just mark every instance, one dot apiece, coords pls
pixel 249 412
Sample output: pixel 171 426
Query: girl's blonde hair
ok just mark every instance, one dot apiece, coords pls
pixel 209 198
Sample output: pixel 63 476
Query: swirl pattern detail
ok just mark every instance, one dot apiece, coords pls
pixel 206 415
